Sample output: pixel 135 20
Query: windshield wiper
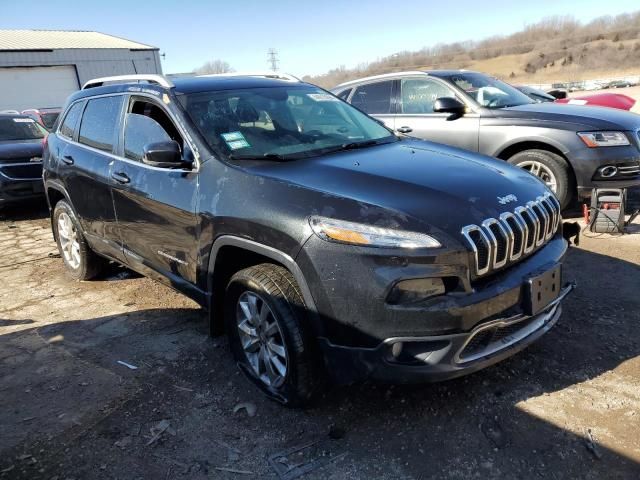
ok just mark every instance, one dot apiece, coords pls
pixel 265 156
pixel 355 145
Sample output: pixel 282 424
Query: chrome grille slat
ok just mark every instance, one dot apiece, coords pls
pixel 498 241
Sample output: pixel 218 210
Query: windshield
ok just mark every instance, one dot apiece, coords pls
pixel 20 128
pixel 280 122
pixel 489 92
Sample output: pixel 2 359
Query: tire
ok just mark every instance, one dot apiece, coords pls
pixel 549 162
pixel 274 287
pixel 80 261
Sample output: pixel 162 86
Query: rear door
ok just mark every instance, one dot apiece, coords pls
pixel 85 157
pixel 155 207
pixel 415 112
pixel 376 99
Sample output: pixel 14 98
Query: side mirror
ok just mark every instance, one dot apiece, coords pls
pixel 164 155
pixel 558 94
pixel 449 105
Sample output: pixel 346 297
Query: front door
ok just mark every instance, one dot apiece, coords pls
pixel 155 207
pixel 416 116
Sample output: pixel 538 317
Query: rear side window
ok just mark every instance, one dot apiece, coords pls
pixel 374 97
pixel 68 126
pixel 344 94
pixel 98 126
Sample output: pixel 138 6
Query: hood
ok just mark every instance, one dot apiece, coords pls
pixel 411 184
pixel 587 116
pixel 20 150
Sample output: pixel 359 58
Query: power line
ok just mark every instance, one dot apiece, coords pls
pixel 272 59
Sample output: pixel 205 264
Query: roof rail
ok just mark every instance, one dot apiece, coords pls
pixel 280 76
pixel 157 79
pixel 383 75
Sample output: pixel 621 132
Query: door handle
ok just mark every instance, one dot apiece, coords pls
pixel 404 130
pixel 120 177
pixel 68 159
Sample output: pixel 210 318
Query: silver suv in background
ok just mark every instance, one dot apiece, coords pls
pixel 572 148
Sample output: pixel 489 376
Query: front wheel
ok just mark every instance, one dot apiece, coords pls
pixel 549 167
pixel 266 322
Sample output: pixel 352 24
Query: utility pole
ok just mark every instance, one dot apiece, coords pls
pixel 272 56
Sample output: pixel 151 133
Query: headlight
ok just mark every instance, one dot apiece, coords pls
pixel 604 139
pixel 367 235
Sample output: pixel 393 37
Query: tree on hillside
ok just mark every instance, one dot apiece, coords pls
pixel 214 66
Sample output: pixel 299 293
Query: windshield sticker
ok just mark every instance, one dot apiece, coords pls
pixel 236 144
pixel 235 140
pixel 23 120
pixel 231 136
pixel 322 97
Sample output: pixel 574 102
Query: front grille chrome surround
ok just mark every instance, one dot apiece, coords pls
pixel 481 267
pixel 499 241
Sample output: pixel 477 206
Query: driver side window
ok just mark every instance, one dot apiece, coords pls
pixel 419 94
pixel 147 123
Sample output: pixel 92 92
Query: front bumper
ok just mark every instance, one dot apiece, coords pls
pixel 442 357
pixel 20 181
pixel 356 325
pixel 587 162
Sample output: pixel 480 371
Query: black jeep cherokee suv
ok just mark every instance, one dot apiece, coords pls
pixel 324 245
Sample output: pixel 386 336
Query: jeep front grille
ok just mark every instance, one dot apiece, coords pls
pixel 499 241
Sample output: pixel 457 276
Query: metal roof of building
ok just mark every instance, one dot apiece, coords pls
pixel 16 40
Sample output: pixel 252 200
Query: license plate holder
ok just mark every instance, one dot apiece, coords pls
pixel 542 289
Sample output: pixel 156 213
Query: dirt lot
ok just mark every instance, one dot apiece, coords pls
pixel 567 407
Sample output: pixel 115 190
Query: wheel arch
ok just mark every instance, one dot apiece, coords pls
pixel 54 193
pixel 230 254
pixel 520 146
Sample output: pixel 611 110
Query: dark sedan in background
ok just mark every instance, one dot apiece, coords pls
pixel 573 149
pixel 21 142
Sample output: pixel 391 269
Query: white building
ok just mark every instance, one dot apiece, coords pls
pixel 40 68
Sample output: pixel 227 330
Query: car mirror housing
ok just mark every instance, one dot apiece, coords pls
pixel 164 155
pixel 449 105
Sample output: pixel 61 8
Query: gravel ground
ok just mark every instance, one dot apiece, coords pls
pixel 567 407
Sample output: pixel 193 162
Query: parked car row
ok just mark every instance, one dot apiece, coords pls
pixel 590 85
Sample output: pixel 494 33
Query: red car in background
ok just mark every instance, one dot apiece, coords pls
pixel 611 100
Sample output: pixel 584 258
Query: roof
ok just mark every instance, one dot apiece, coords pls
pixel 435 73
pixel 16 40
pixel 185 85
pixel 203 84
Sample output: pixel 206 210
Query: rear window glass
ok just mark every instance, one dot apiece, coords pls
pixel 374 97
pixel 20 128
pixel 49 119
pixel 98 125
pixel 71 120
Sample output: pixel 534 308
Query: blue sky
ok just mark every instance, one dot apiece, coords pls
pixel 310 37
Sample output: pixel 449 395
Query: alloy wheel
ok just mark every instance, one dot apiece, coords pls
pixel 261 339
pixel 541 171
pixel 69 244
